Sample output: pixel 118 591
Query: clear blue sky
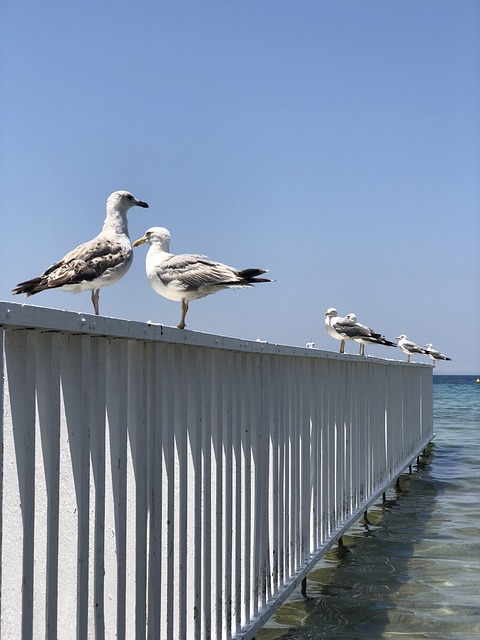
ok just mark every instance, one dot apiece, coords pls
pixel 336 143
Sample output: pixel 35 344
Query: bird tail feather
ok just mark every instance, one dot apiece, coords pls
pixel 387 343
pixel 29 287
pixel 251 275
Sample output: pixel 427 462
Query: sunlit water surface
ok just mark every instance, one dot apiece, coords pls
pixel 414 571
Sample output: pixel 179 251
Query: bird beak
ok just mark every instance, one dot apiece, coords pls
pixel 142 204
pixel 140 241
pixel 397 338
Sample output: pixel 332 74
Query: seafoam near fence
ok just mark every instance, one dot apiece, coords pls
pixel 175 485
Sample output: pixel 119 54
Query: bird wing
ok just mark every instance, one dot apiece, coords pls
pixel 365 332
pixel 350 329
pixel 86 262
pixel 436 354
pixel 413 348
pixel 372 337
pixel 191 272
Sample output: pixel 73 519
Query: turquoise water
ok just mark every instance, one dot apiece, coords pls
pixel 413 571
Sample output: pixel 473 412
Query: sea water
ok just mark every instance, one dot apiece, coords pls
pixel 413 570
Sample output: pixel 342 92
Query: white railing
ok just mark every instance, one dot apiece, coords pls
pixel 167 484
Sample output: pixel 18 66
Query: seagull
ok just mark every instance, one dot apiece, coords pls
pixel 94 264
pixel 365 335
pixel 337 327
pixel 188 276
pixel 409 347
pixel 434 354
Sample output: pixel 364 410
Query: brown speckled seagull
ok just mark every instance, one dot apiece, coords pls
pixel 94 264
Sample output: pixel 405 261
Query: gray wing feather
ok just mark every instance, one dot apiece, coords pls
pixel 192 272
pixel 413 348
pixel 350 329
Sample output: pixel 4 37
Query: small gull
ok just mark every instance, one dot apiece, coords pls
pixel 97 263
pixel 434 354
pixel 409 347
pixel 337 327
pixel 185 277
pixel 365 335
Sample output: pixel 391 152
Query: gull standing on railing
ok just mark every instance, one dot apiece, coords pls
pixel 409 347
pixel 185 277
pixel 97 263
pixel 337 327
pixel 434 354
pixel 365 335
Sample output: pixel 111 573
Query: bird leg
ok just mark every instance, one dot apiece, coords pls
pixel 95 296
pixel 342 346
pixel 362 349
pixel 181 325
pixel 408 357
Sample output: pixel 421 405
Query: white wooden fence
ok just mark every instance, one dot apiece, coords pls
pixel 166 484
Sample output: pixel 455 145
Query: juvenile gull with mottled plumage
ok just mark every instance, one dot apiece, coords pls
pixel 185 277
pixel 95 264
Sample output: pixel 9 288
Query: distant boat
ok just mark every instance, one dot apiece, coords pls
pixel 477 380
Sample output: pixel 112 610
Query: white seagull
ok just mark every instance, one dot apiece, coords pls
pixel 364 335
pixel 185 277
pixel 409 347
pixel 337 327
pixel 434 354
pixel 94 264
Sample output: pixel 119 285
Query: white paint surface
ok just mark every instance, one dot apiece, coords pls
pixel 166 484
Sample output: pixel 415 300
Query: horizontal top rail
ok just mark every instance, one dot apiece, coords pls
pixel 164 483
pixel 26 316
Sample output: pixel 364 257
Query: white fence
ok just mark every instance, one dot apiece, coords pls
pixel 174 485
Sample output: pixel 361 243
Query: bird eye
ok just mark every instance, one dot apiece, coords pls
pixel 129 197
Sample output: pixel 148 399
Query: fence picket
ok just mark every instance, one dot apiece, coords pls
pixel 177 485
